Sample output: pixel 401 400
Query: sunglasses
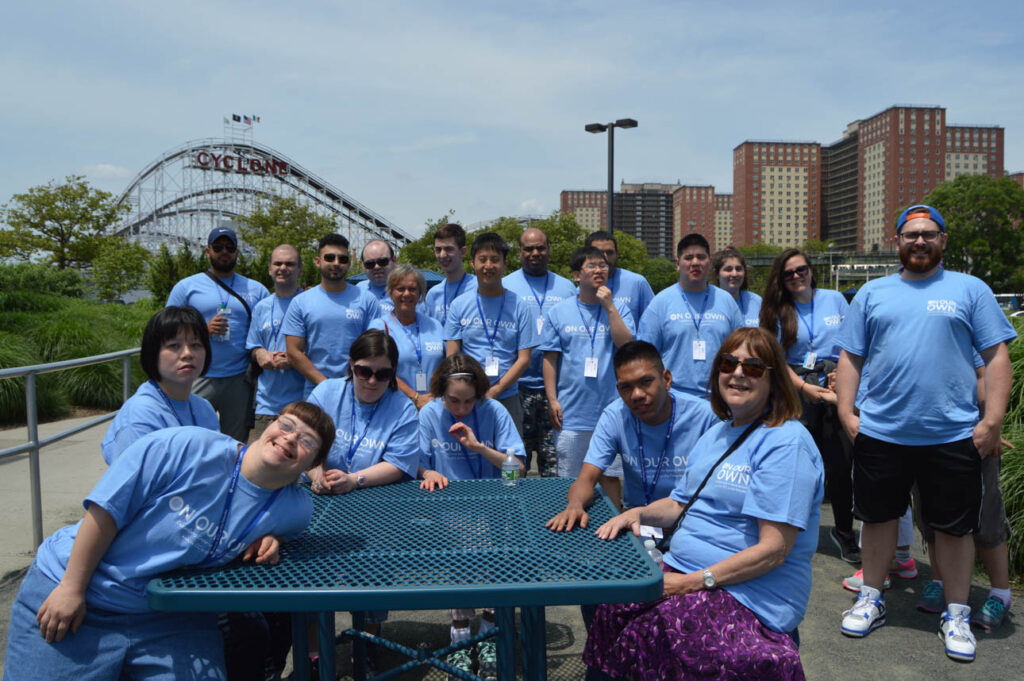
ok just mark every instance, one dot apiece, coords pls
pixel 796 272
pixel 331 257
pixel 364 372
pixel 752 366
pixel 217 248
pixel 379 262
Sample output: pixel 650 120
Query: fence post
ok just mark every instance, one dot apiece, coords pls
pixel 33 459
pixel 126 366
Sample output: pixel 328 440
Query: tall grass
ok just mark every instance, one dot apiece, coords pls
pixel 51 400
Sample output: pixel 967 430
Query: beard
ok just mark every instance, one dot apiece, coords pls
pixel 224 267
pixel 920 261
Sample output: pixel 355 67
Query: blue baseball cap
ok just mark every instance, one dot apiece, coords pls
pixel 920 211
pixel 218 232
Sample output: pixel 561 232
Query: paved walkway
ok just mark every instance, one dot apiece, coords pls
pixel 905 649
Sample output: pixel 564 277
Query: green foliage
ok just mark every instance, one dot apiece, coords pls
pixel 51 402
pixel 632 254
pixel 119 267
pixel 64 221
pixel 1012 481
pixel 285 221
pixel 983 217
pixel 661 273
pixel 38 277
pixel 166 270
pixel 420 253
pixel 815 246
pixel 762 249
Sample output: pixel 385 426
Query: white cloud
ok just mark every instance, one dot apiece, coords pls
pixel 531 207
pixel 107 171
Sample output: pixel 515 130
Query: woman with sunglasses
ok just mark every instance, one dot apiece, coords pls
pixel 807 321
pixel 729 270
pixel 419 337
pixel 738 571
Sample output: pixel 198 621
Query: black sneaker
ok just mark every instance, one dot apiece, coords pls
pixel 847 544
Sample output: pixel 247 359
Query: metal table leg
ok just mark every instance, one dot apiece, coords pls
pixel 534 643
pixel 325 640
pixel 300 647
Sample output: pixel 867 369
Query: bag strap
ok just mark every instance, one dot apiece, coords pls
pixel 230 290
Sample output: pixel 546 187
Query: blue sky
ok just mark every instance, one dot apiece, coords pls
pixel 413 108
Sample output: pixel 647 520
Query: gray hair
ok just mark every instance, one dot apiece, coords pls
pixel 401 272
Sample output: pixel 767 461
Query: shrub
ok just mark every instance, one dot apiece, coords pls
pixel 41 278
pixel 16 351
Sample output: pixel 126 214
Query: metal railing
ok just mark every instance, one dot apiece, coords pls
pixel 34 444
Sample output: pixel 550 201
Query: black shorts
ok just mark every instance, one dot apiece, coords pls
pixel 948 477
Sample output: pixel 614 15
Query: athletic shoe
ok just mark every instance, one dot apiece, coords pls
pixel 907 570
pixel 855 581
pixel 992 614
pixel 866 615
pixel 933 599
pixel 461 660
pixel 955 632
pixel 847 544
pixel 487 658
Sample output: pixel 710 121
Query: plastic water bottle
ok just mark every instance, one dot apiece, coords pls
pixel 509 468
pixel 652 550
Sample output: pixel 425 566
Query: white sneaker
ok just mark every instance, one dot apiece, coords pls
pixel 866 615
pixel 955 632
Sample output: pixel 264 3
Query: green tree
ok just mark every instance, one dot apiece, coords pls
pixel 815 246
pixel 284 221
pixel 661 273
pixel 64 221
pixel 761 249
pixel 166 269
pixel 420 253
pixel 119 267
pixel 983 217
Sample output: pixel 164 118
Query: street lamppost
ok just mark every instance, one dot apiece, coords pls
pixel 831 272
pixel 610 127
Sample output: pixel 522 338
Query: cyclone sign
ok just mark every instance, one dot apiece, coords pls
pixel 207 160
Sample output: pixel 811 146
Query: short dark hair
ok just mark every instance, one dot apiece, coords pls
pixel 459 364
pixel 783 403
pixel 635 350
pixel 317 419
pixel 692 239
pixel 601 235
pixel 719 259
pixel 452 230
pixel 374 343
pixel 165 325
pixel 391 251
pixel 582 254
pixel 492 241
pixel 332 240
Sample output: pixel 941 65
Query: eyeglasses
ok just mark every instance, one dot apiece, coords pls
pixel 796 272
pixel 379 262
pixel 331 257
pixel 288 426
pixel 595 266
pixel 217 248
pixel 752 366
pixel 364 372
pixel 928 235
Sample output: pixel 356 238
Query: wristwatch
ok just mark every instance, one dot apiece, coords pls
pixel 709 579
pixel 360 481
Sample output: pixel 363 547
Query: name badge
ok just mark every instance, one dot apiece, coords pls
pixel 700 351
pixel 649 531
pixel 590 367
pixel 421 382
pixel 810 359
pixel 540 325
pixel 224 310
pixel 491 366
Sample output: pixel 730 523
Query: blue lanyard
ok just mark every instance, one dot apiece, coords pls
pixel 703 306
pixel 476 459
pixel 416 344
pixel 221 293
pixel 649 491
pixel 447 300
pixel 170 405
pixel 483 321
pixel 275 329
pixel 592 332
pixel 540 301
pixel 809 327
pixel 352 429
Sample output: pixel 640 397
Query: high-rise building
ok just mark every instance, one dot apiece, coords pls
pixel 693 210
pixel 974 150
pixel 645 211
pixel 1017 177
pixel 776 197
pixel 839 190
pixel 589 207
pixel 723 221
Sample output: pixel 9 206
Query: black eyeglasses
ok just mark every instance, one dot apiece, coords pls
pixel 364 372
pixel 331 257
pixel 217 248
pixel 752 366
pixel 796 272
pixel 379 262
pixel 928 235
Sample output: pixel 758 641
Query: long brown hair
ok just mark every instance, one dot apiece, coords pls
pixel 777 309
pixel 783 403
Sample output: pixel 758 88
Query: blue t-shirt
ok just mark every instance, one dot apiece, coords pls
pixel 369 433
pixel 632 290
pixel 919 338
pixel 330 322
pixel 229 356
pixel 750 308
pixel 275 388
pixel 440 297
pixel 824 315
pixel 539 294
pixel 776 475
pixel 569 329
pixel 150 409
pixel 509 328
pixel 381 294
pixel 616 432
pixel 167 494
pixel 441 452
pixel 420 346
pixel 670 324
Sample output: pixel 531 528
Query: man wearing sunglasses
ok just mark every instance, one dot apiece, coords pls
pixel 919 419
pixel 226 384
pixel 323 321
pixel 378 260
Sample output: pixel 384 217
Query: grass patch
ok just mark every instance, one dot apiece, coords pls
pixel 51 400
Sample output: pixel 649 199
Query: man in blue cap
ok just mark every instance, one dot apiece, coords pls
pixel 919 422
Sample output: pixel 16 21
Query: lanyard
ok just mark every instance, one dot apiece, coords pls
pixel 416 344
pixel 592 332
pixel 170 405
pixel 540 300
pixel 221 293
pixel 649 491
pixel 703 306
pixel 275 329
pixel 809 327
pixel 352 430
pixel 483 321
pixel 447 300
pixel 476 459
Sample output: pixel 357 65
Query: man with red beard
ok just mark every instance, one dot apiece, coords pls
pixel 919 421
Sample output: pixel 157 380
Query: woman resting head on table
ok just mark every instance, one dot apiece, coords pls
pixel 178 497
pixel 738 571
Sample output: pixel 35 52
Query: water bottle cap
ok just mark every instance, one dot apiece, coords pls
pixel 648 544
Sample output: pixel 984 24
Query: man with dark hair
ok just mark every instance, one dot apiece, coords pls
pixel 225 299
pixel 539 289
pixel 449 249
pixel 378 260
pixel 322 322
pixel 628 288
pixel 688 322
